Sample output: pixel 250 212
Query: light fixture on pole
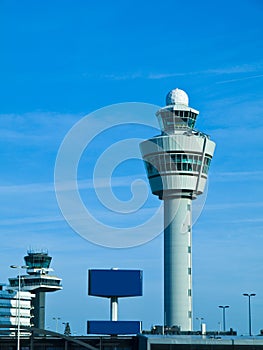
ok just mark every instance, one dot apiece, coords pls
pixel 249 310
pixel 224 315
pixel 201 321
pixel 56 319
pixel 18 306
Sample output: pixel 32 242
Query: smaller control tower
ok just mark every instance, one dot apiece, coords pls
pixel 38 281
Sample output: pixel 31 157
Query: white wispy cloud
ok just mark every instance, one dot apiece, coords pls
pixel 69 185
pixel 233 205
pixel 150 76
pixel 31 220
pixel 27 188
pixel 229 176
pixel 122 181
pixel 156 76
pixel 35 126
pixel 240 79
pixel 255 220
pixel 243 68
pixel 127 76
pixel 226 70
pixel 99 213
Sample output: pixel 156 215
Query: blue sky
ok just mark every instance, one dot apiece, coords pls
pixel 61 60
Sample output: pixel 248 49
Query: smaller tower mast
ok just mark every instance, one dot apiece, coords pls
pixel 38 281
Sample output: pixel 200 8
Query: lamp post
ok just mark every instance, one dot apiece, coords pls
pixel 224 315
pixel 249 309
pixel 18 306
pixel 201 319
pixel 56 319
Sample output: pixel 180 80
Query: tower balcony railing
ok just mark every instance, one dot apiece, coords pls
pixel 36 282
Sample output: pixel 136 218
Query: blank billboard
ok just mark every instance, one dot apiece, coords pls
pixel 118 283
pixel 113 327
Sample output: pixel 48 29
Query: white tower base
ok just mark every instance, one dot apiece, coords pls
pixel 178 263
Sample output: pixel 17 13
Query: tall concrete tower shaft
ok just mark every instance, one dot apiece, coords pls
pixel 177 164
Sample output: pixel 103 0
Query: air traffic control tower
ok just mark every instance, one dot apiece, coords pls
pixel 38 281
pixel 177 164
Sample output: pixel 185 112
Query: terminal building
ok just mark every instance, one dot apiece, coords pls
pixel 14 305
pixel 53 341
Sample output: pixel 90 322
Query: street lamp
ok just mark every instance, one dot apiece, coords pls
pixel 224 315
pixel 201 319
pixel 18 306
pixel 56 319
pixel 249 309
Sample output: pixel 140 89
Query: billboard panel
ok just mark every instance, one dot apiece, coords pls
pixel 119 283
pixel 113 327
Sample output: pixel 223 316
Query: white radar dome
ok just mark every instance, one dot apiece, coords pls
pixel 177 96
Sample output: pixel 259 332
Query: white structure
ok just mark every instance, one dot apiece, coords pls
pixel 15 309
pixel 38 281
pixel 177 164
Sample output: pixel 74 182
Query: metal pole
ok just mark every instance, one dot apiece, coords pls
pixel 249 314
pixel 114 309
pixel 32 341
pixel 18 321
pixel 224 315
pixel 56 319
pixel 201 321
pixel 249 311
pixel 18 298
